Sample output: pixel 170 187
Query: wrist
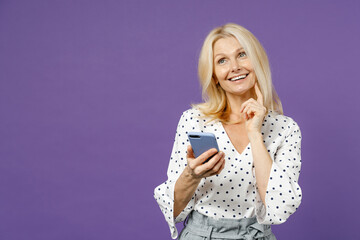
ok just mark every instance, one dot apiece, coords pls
pixel 189 177
pixel 255 136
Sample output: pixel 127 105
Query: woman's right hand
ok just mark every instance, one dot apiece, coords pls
pixel 198 170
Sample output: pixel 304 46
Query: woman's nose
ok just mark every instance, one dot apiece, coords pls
pixel 235 66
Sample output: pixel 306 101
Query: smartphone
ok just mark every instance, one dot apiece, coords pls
pixel 201 142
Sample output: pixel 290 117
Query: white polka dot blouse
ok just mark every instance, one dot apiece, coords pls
pixel 233 192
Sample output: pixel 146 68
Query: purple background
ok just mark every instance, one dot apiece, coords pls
pixel 91 93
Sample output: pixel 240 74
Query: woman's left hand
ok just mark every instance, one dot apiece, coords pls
pixel 254 111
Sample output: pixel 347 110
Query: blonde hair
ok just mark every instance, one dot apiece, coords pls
pixel 215 105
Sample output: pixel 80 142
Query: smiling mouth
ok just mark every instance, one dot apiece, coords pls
pixel 239 78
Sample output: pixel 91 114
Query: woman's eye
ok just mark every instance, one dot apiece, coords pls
pixel 242 54
pixel 221 60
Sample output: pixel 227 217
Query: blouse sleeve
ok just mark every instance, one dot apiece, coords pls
pixel 164 193
pixel 283 193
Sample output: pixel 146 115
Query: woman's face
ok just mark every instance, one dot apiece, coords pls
pixel 230 61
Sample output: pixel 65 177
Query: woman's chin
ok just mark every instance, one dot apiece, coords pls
pixel 239 93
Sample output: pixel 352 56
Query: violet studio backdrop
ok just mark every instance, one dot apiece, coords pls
pixel 91 93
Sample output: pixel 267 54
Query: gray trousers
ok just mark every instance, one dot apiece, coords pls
pixel 201 227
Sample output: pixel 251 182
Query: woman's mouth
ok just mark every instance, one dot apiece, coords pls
pixel 238 78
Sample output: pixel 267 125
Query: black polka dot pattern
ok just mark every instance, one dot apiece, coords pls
pixel 233 193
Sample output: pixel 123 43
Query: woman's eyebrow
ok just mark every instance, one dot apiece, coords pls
pixel 237 50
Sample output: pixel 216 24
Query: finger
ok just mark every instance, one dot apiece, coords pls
pixel 254 106
pixel 260 98
pixel 190 152
pixel 252 111
pixel 243 105
pixel 244 111
pixel 205 155
pixel 190 158
pixel 218 165
pixel 204 168
pixel 221 168
pixel 215 169
pixel 246 103
pixel 248 111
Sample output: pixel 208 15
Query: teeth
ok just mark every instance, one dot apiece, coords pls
pixel 237 78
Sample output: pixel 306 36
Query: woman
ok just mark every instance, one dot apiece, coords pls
pixel 252 182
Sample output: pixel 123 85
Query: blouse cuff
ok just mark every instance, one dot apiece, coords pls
pixel 166 203
pixel 283 196
pixel 182 215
